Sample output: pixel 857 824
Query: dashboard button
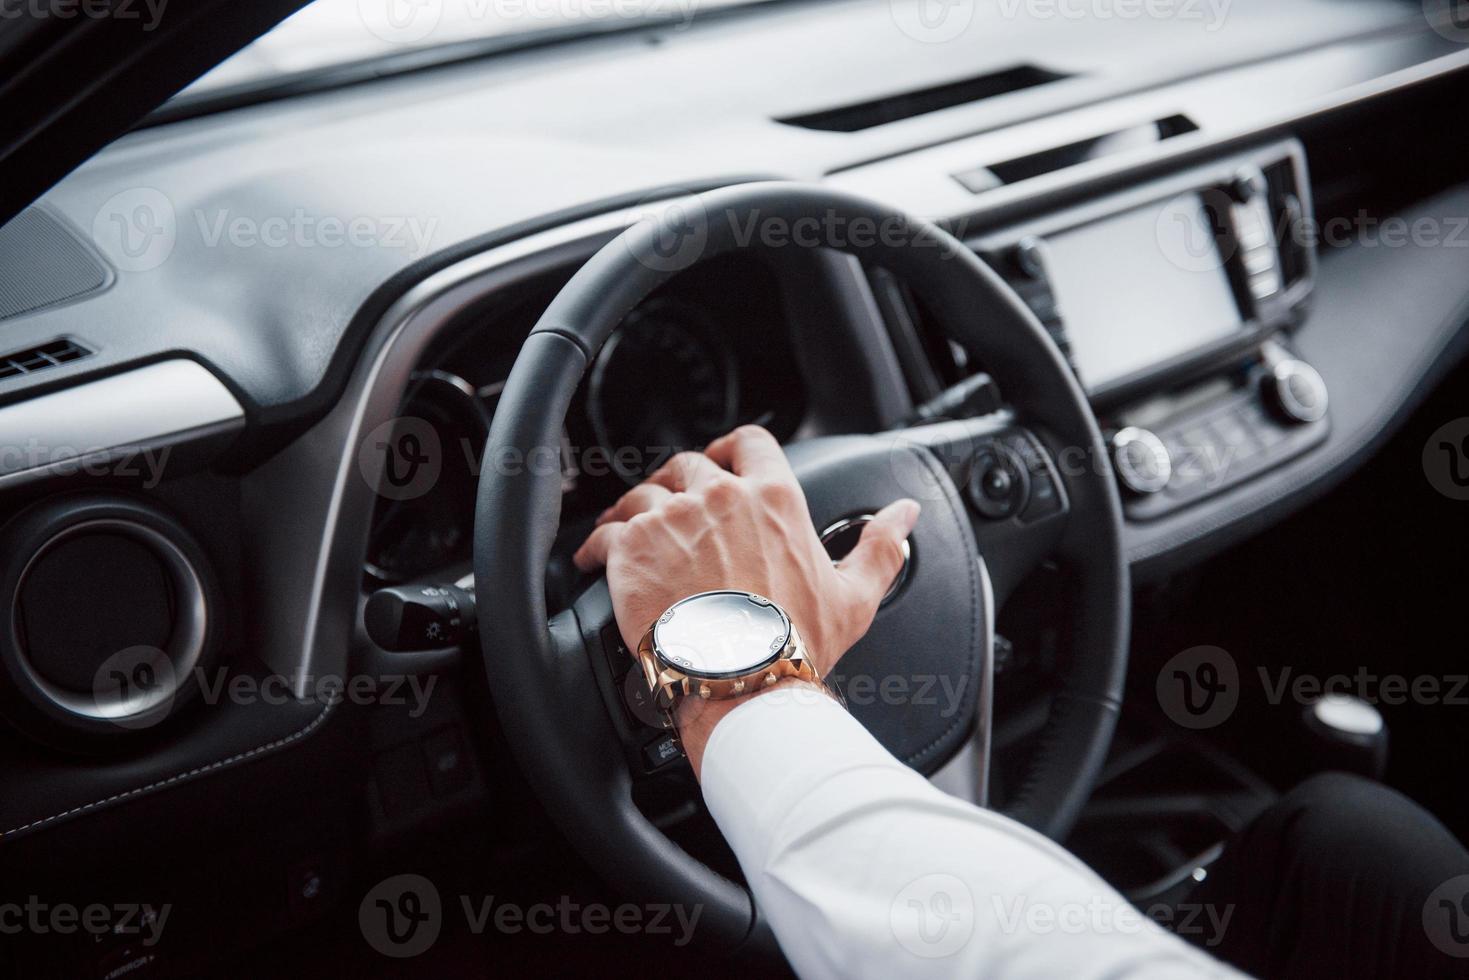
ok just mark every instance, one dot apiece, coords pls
pixel 448 764
pixel 1234 434
pixel 619 661
pixel 998 485
pixel 639 701
pixel 662 751
pixel 1267 431
pixel 1247 184
pixel 978 180
pixel 1045 499
pixel 1030 256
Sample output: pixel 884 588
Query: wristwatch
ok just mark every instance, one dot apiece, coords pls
pixel 720 645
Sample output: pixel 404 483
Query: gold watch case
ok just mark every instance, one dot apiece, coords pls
pixel 670 683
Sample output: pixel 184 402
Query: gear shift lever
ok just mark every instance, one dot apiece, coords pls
pixel 1347 733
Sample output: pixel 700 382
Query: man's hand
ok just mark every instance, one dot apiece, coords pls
pixel 734 517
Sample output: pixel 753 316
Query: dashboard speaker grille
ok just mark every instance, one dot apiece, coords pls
pixel 42 263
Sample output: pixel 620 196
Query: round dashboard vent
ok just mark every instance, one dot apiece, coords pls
pixel 107 618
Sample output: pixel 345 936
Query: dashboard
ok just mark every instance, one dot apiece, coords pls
pixel 256 421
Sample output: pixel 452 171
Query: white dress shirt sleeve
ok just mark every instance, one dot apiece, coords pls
pixel 864 869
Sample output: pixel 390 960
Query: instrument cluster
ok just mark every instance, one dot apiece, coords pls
pixel 707 353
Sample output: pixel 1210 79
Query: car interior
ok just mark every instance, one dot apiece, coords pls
pixel 327 334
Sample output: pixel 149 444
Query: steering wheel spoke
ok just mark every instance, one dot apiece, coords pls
pixel 649 747
pixel 1013 488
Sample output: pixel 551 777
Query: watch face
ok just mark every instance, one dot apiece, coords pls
pixel 721 634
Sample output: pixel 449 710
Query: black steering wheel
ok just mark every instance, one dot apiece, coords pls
pixel 1001 494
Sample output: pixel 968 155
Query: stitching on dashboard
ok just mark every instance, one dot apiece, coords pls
pixel 177 778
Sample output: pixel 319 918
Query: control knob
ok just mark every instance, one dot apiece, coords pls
pixel 1295 391
pixel 1142 462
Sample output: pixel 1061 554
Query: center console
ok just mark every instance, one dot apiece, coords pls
pixel 1174 303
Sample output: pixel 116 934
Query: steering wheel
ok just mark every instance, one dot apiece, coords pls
pixel 1001 494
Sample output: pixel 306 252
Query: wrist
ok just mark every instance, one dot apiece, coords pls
pixel 695 718
pixel 711 652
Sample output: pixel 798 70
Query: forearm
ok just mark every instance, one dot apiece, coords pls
pixel 865 870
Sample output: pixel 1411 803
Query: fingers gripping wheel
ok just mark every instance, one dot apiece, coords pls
pixel 552 682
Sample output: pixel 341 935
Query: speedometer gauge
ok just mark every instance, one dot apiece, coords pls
pixel 665 381
pixel 431 527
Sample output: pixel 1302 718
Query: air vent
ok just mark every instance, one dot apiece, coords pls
pixel 929 359
pixel 34 359
pixel 1025 267
pixel 1055 158
pixel 906 105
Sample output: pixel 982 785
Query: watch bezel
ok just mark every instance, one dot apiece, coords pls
pixel 775 653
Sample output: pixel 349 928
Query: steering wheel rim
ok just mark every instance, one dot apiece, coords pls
pixel 539 668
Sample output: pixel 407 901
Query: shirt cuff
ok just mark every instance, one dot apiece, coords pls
pixel 764 756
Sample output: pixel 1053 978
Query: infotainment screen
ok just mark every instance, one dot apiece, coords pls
pixel 1140 288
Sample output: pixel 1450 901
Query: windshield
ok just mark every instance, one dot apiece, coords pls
pixel 334 32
